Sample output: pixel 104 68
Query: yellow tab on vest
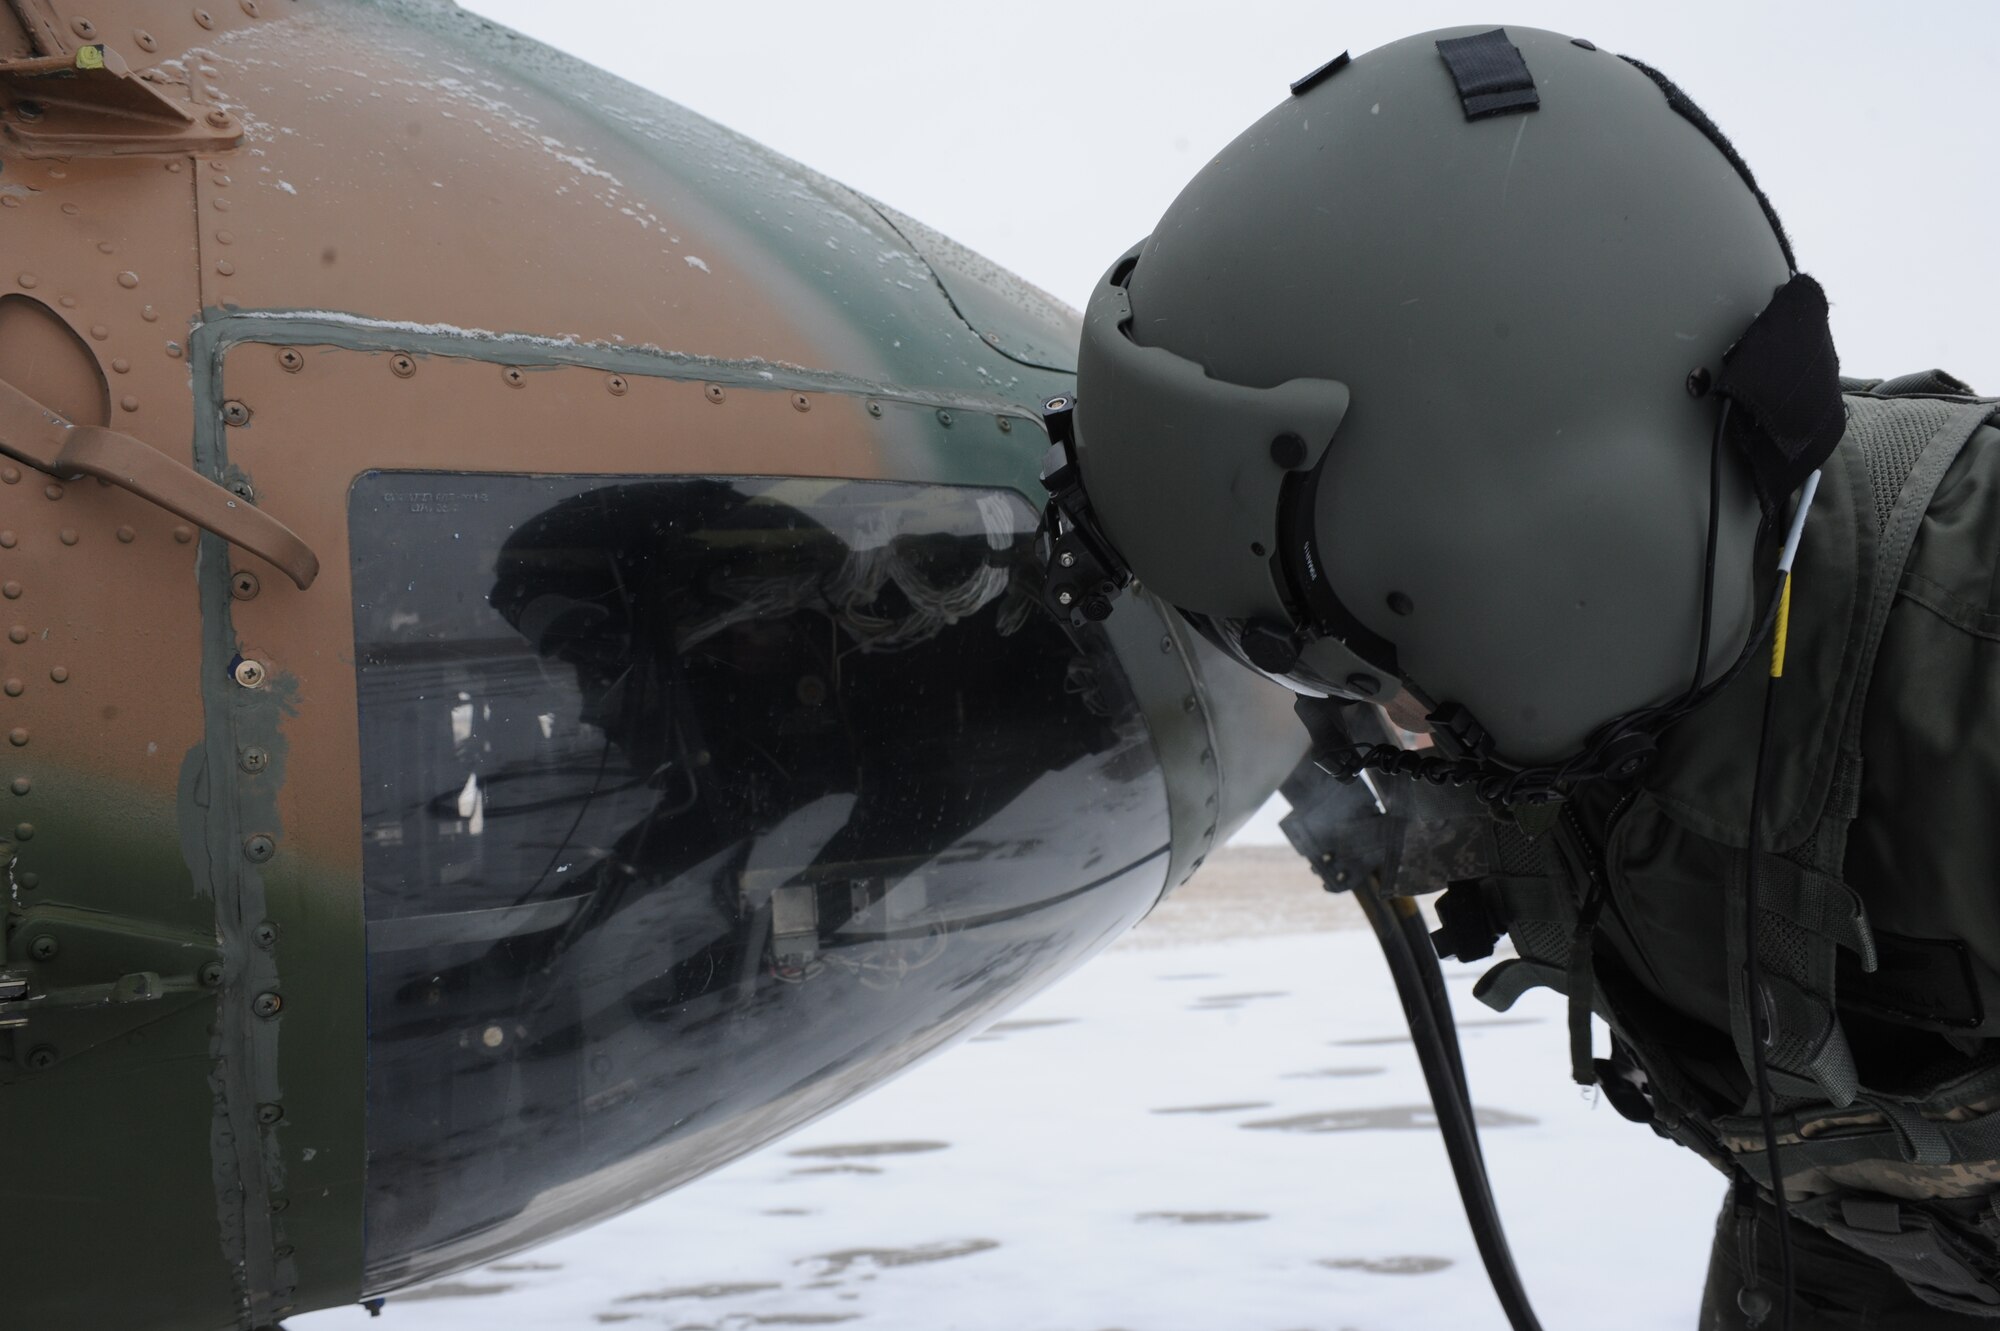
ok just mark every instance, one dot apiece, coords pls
pixel 1784 622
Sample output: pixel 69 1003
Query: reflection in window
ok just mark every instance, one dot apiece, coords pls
pixel 693 807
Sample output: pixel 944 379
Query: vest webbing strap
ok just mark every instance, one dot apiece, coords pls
pixel 1806 913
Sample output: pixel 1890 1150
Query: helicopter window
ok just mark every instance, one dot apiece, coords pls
pixel 694 806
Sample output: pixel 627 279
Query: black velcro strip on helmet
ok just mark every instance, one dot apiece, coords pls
pixel 1302 86
pixel 1784 375
pixel 1492 78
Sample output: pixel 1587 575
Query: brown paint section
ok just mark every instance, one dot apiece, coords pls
pixel 386 178
pixel 97 581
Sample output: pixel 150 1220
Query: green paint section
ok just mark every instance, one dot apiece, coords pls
pixel 109 1176
pixel 821 247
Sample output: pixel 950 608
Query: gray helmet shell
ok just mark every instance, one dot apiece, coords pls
pixel 1516 495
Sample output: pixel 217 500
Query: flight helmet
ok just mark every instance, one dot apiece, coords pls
pixel 1470 373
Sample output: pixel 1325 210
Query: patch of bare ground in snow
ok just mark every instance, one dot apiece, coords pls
pixel 1245 892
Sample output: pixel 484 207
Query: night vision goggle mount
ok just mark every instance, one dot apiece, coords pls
pixel 1084 574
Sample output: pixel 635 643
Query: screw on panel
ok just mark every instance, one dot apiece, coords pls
pixel 84 28
pixel 253 760
pixel 1065 596
pixel 874 408
pixel 244 585
pixel 1066 559
pixel 41 1058
pixel 402 366
pixel 267 1005
pixel 265 934
pixel 616 385
pixel 267 1114
pixel 242 490
pixel 258 848
pixel 250 8
pixel 800 402
pixel 210 974
pixel 235 413
pixel 514 376
pixel 219 118
pixel 944 419
pixel 146 40
pixel 1006 426
pixel 290 361
pixel 44 948
pixel 250 674
pixel 713 392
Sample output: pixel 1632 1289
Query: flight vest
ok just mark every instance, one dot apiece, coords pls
pixel 1878 862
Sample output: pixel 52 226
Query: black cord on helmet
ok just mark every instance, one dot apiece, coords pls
pixel 1714 530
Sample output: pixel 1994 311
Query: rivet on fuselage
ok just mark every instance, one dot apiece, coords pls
pixel 21 785
pixel 18 737
pixel 126 535
pixel 60 674
pixel 18 634
pixel 68 536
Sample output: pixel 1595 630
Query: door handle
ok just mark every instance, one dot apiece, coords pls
pixel 48 442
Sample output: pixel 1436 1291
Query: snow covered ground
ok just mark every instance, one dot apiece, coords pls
pixel 1218 1125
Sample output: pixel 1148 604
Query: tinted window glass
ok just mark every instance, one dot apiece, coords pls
pixel 693 807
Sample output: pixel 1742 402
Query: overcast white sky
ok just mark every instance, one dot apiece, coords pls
pixel 1050 136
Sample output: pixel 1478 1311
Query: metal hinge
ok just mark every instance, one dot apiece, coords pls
pixel 90 103
pixel 77 979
